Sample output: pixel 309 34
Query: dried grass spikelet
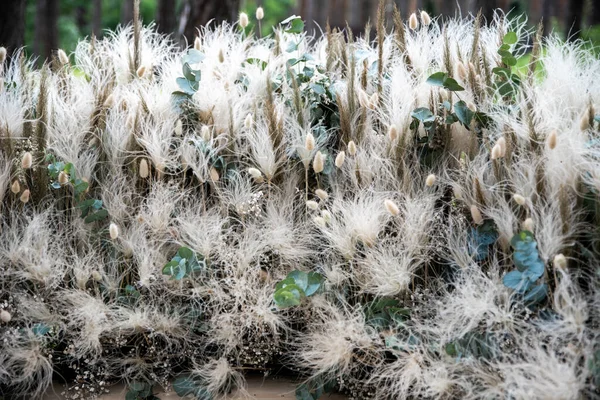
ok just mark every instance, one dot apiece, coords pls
pixel 144 170
pixel 179 128
pixel 320 221
pixel 413 22
pixel 141 71
pixel 584 123
pixel 205 133
pixel 15 187
pixel 248 121
pixel 309 142
pixel 243 20
pixel 559 261
pixel 461 71
pixel 496 152
pixel 430 181
pixel 63 178
pixel 197 43
pixel 62 57
pixel 476 215
pixel 352 148
pixel 214 174
pixel 528 225
pixel 221 56
pixel 5 315
pixel 339 159
pixel 256 174
pixel 393 132
pixel 260 13
pixel 321 194
pixel 25 196
pixel 109 102
pixel 96 276
pixel 326 216
pixel 26 160
pixel 425 18
pixel 520 200
pixel 363 99
pixel 552 140
pixel 319 162
pixel 313 205
pixel 391 207
pixel 113 231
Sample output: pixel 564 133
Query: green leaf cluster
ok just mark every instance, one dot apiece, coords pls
pixel 190 82
pixel 297 285
pixel 185 263
pixel 473 344
pixel 186 385
pixel 293 24
pixel 507 81
pixel 530 268
pixel 480 239
pixel 443 80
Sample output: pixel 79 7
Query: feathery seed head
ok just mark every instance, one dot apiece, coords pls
pixel 15 187
pixel 430 181
pixel 391 207
pixel 27 160
pixel 321 194
pixel 425 18
pixel 320 221
pixel 205 133
pixel 552 140
pixel 352 148
pixel 309 142
pixel 249 121
pixel 113 230
pixel 496 152
pixel 319 162
pixel 326 216
pixel 25 196
pixel 528 225
pixel 461 71
pixel 5 315
pixel 179 128
pixel 393 132
pixel 243 20
pixel 214 174
pixel 96 276
pixel 520 200
pixel 560 261
pixel 313 205
pixel 109 102
pixel 144 170
pixel 260 13
pixel 340 158
pixel 62 57
pixel 413 22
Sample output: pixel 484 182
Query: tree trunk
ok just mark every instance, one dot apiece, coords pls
pixel 574 19
pixel 165 16
pixel 196 13
pixel 46 29
pixel 97 18
pixel 126 12
pixel 12 24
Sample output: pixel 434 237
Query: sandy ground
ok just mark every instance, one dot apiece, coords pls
pixel 260 388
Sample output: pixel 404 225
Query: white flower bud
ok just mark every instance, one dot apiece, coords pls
pixel 323 195
pixel 528 225
pixel 197 44
pixel 25 196
pixel 243 20
pixel 391 207
pixel 309 142
pixel 5 315
pixel 313 205
pixel 260 13
pixel 352 148
pixel 27 160
pixel 249 121
pixel 319 162
pixel 62 57
pixel 205 133
pixel 144 170
pixel 520 200
pixel 141 71
pixel 430 181
pixel 476 215
pixel 320 221
pixel 15 187
pixel 413 22
pixel 425 18
pixel 393 132
pixel 559 261
pixel 113 230
pixel 326 216
pixel 339 159
pixel 552 140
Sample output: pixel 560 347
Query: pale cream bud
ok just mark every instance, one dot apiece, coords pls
pixel 461 71
pixel 197 44
pixel 109 101
pixel 5 315
pixel 502 144
pixel 214 174
pixel 221 56
pixel 520 200
pixel 559 261
pixel 528 225
pixel 62 57
pixel 96 276
pixel 249 121
pixel 323 195
pixel 309 142
pixel 25 196
pixel 141 71
pixel 255 173
pixel 326 216
pixel 144 170
pixel 243 20
pixel 430 181
pixel 63 178
pixel 391 207
pixel 113 230
pixel 393 132
pixel 320 221
pixel 260 13
pixel 339 159
pixel 476 215
pixel 472 67
pixel 15 187
pixel 178 128
pixel 425 18
pixel 363 99
pixel 205 133
pixel 496 152
pixel 2 54
pixel 413 22
pixel 27 160
pixel 352 148
pixel 313 205
pixel 552 140
pixel 319 162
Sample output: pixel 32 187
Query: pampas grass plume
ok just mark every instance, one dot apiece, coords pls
pixel 27 160
pixel 339 159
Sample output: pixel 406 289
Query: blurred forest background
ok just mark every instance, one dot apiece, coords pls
pixel 46 25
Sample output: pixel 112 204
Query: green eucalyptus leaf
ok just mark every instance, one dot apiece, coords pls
pixel 453 86
pixel 536 294
pixel 285 298
pixel 97 216
pixel 463 113
pixel 510 38
pixel 300 278
pixel 40 329
pixel 315 280
pixel 437 79
pixel 423 114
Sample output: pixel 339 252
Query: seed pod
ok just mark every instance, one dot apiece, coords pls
pixel 528 225
pixel 413 22
pixel 319 162
pixel 552 140
pixel 476 215
pixel 197 44
pixel 313 205
pixel 391 207
pixel 113 230
pixel 5 315
pixel 321 194
pixel 15 187
pixel 339 159
pixel 425 18
pixel 243 21
pixel 352 148
pixel 26 161
pixel 144 171
pixel 309 142
pixel 430 181
pixel 520 200
pixel 260 13
pixel 25 196
pixel 62 57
